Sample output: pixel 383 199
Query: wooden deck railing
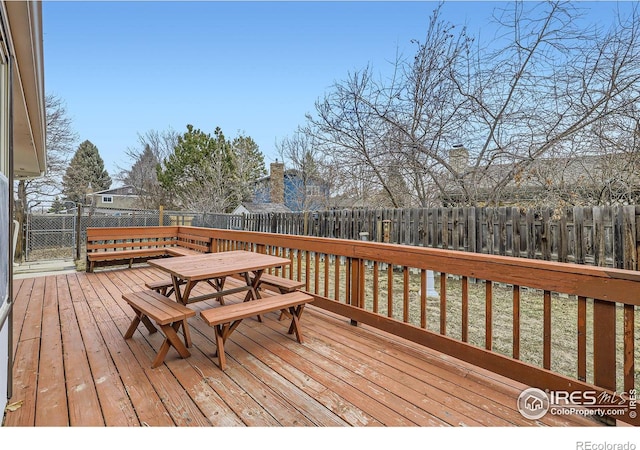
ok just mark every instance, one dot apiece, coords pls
pixel 555 326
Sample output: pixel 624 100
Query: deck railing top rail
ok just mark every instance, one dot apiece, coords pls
pixel 616 285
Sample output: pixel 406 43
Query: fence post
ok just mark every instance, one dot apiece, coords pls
pixel 78 230
pixel 386 230
pixel 161 215
pixel 305 225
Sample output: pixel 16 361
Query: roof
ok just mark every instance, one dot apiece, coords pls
pixel 588 171
pixel 122 190
pixel 264 207
pixel 29 123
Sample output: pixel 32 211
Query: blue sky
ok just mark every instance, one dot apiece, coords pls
pixel 124 68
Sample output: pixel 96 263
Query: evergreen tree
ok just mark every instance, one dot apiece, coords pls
pixel 200 171
pixel 86 168
pixel 143 177
pixel 249 166
pixel 141 172
pixel 57 206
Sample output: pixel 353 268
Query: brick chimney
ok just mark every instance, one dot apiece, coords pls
pixel 277 182
pixel 459 159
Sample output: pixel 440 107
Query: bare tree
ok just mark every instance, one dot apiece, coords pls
pixel 542 92
pixel 614 177
pixel 60 146
pixel 351 134
pixel 311 186
pixel 60 143
pixel 542 88
pixel 153 147
pixel 384 130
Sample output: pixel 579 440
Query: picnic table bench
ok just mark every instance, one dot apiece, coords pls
pixel 283 285
pixel 168 315
pixel 225 319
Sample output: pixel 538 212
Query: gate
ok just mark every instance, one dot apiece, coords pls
pixel 50 236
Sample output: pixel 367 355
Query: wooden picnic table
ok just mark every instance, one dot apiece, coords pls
pixel 214 268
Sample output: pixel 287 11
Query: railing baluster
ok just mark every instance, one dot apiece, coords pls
pixel 316 272
pixel 465 309
pixel 390 290
pixel 546 343
pixel 443 303
pixel 327 261
pixel 582 338
pixel 361 288
pixel 516 321
pixel 375 286
pixel 299 274
pixel 629 348
pixel 488 315
pixel 336 280
pixel 307 268
pixel 289 254
pixel 405 294
pixel 348 277
pixel 423 298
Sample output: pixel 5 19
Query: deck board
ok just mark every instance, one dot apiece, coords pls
pixel 73 367
pixel 52 409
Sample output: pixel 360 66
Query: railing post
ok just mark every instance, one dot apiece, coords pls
pixel 356 283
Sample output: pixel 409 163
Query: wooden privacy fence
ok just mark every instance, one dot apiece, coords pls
pixel 561 327
pixel 600 236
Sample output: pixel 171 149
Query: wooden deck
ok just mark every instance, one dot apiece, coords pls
pixel 73 368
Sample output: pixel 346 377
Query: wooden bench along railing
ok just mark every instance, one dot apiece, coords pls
pixel 555 326
pixel 190 244
pixel 129 245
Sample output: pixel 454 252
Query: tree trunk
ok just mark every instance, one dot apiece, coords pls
pixel 20 215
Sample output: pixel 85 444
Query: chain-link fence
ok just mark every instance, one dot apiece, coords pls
pixel 63 236
pixel 50 236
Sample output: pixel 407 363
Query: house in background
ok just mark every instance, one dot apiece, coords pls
pixel 22 143
pixel 120 199
pixel 292 189
pixel 594 179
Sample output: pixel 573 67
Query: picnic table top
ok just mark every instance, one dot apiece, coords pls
pixel 217 265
